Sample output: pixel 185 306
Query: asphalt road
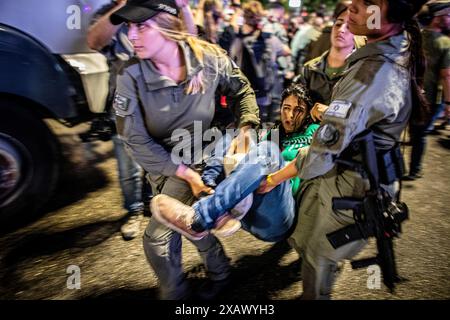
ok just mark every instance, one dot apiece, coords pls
pixel 80 227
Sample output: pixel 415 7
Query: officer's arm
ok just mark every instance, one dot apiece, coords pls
pixel 364 97
pixel 236 87
pixel 102 31
pixel 132 130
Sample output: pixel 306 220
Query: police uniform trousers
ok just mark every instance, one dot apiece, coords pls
pixel 162 245
pixel 316 219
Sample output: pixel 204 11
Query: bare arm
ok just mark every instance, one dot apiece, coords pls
pixel 199 16
pixel 101 32
pixel 187 16
pixel 278 177
pixel 288 172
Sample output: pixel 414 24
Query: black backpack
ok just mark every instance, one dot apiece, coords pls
pixel 257 63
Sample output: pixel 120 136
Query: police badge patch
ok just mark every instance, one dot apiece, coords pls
pixel 338 109
pixel 328 134
pixel 121 102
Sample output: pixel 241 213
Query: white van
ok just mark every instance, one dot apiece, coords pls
pixel 46 71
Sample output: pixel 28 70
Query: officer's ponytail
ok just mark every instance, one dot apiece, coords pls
pixel 404 11
pixel 421 106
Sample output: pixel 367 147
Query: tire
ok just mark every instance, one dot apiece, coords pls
pixel 29 162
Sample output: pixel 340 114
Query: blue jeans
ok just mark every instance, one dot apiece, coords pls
pixel 437 110
pixel 213 171
pixel 130 177
pixel 271 215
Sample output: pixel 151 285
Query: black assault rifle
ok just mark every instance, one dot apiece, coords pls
pixel 377 214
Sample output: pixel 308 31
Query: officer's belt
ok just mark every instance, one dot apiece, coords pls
pixel 390 163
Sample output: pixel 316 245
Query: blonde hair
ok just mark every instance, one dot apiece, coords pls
pixel 174 28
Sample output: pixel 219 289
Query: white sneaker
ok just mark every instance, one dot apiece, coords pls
pixel 226 226
pixel 175 215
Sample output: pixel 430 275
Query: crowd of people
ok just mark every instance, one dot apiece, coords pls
pixel 314 81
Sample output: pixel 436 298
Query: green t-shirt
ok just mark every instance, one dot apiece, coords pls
pixel 334 72
pixel 290 145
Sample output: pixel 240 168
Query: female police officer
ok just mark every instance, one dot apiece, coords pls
pixel 320 74
pixel 380 90
pixel 170 86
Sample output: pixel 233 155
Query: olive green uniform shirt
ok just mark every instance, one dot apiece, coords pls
pixel 320 84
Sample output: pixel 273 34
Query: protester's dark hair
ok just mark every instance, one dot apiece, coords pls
pixel 404 11
pixel 303 97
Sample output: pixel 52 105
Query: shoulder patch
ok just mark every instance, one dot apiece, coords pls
pixel 121 102
pixel 328 135
pixel 338 109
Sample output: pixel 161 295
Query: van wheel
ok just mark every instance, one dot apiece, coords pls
pixel 29 162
